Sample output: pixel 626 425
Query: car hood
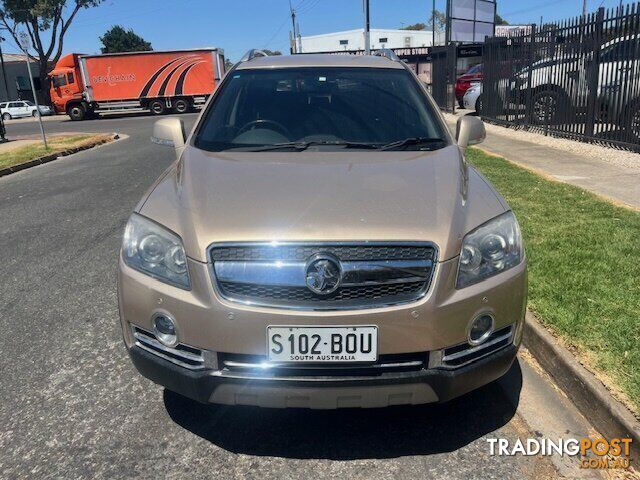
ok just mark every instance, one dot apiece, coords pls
pixel 321 196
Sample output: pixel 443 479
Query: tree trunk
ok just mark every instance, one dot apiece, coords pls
pixel 44 95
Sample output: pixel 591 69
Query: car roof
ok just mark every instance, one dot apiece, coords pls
pixel 320 60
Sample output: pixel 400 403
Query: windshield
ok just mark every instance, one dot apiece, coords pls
pixel 475 69
pixel 30 103
pixel 326 107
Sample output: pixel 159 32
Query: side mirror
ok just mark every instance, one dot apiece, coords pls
pixel 170 132
pixel 469 131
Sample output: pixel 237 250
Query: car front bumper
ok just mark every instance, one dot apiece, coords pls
pixel 408 388
pixel 434 326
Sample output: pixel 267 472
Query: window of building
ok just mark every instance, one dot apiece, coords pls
pixel 344 42
pixel 383 40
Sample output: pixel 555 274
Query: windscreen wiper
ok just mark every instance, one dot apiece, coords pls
pixel 299 146
pixel 412 141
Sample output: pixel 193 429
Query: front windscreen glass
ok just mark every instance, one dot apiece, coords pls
pixel 327 107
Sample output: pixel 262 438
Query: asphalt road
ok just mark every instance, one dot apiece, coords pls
pixel 72 406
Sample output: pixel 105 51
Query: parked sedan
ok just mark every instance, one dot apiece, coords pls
pixel 472 99
pixel 464 82
pixel 22 108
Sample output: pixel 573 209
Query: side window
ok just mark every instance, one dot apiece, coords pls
pixel 14 105
pixel 70 78
pixel 615 52
pixel 59 80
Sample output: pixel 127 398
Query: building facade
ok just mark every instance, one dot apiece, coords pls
pixel 15 71
pixel 351 40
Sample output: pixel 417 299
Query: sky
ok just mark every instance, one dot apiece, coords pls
pixel 239 25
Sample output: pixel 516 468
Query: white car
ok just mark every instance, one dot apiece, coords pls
pixel 472 99
pixel 22 108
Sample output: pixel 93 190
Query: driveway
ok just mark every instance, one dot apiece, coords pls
pixel 72 406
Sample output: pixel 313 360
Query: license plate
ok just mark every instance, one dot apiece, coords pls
pixel 326 344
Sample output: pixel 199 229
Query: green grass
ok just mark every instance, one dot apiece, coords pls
pixel 31 152
pixel 584 267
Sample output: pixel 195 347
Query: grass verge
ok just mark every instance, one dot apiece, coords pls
pixel 57 144
pixel 584 269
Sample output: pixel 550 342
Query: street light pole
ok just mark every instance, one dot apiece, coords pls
pixel 25 44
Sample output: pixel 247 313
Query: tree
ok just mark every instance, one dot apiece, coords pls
pixel 441 21
pixel 46 24
pixel 415 26
pixel 117 40
pixel 271 52
pixel 500 20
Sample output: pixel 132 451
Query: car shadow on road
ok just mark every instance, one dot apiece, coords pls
pixel 352 433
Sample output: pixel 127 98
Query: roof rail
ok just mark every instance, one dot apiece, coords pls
pixel 387 53
pixel 251 54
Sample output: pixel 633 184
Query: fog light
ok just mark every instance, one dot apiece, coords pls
pixel 165 330
pixel 480 329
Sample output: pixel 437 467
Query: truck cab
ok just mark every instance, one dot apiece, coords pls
pixel 66 83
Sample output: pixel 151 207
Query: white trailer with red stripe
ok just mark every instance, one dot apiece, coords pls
pixel 160 81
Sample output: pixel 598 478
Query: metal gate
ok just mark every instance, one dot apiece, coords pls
pixel 577 79
pixel 443 76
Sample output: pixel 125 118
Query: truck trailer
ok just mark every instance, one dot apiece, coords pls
pixel 169 81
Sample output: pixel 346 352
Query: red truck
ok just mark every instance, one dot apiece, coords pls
pixel 177 81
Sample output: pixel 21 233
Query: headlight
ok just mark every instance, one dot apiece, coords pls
pixel 154 250
pixel 491 248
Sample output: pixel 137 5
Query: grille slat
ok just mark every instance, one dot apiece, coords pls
pixel 372 279
pixel 303 252
pixel 254 365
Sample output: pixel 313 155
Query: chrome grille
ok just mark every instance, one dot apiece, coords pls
pixel 275 275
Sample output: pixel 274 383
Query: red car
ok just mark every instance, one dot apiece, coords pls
pixel 473 75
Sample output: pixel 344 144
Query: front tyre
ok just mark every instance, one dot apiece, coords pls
pixel 76 112
pixel 546 107
pixel 479 105
pixel 6 116
pixel 632 123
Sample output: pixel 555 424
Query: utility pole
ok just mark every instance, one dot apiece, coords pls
pixel 293 25
pixel 25 44
pixel 367 33
pixel 584 8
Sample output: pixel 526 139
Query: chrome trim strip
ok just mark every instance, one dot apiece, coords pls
pixel 317 366
pixel 292 274
pixel 253 303
pixel 146 342
pixel 472 350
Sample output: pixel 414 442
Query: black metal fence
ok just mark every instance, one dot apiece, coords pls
pixel 443 65
pixel 577 79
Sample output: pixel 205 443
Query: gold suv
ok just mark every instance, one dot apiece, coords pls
pixel 321 242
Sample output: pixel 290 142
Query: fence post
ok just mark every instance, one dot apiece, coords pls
pixel 532 50
pixel 593 74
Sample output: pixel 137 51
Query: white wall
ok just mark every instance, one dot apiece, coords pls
pixel 330 42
